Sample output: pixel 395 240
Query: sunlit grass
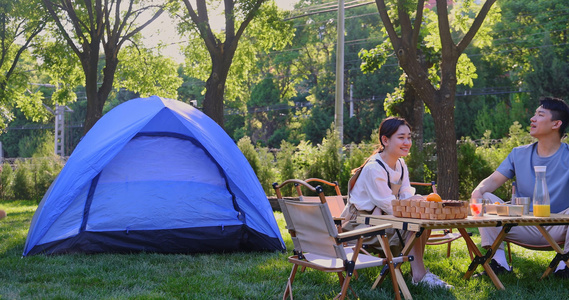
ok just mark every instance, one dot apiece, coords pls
pixel 236 275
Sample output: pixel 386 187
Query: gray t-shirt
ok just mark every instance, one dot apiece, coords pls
pixel 520 163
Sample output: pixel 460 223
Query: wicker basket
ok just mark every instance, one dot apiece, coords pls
pixel 430 210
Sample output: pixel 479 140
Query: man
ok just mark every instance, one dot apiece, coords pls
pixel 548 126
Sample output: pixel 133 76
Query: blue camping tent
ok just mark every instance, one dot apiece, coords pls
pixel 154 175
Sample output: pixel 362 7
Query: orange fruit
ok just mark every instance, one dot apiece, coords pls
pixel 434 197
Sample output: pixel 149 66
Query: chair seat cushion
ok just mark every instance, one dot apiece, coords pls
pixel 363 260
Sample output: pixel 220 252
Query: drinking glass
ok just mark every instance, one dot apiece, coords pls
pixel 477 207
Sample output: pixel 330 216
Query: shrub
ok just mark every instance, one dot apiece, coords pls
pixel 472 168
pixel 422 166
pixel 266 172
pixel 327 161
pixel 6 182
pixel 45 171
pixel 261 162
pixel 23 185
pixel 354 156
pixel 250 153
pixel 286 167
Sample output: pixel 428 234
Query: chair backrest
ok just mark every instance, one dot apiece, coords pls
pixel 432 184
pixel 336 202
pixel 310 224
pixel 311 227
pixel 334 184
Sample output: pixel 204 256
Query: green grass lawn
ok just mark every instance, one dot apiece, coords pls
pixel 235 275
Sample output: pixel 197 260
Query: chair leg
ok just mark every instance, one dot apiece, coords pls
pixel 448 249
pixel 288 289
pixel 378 280
pixel 345 282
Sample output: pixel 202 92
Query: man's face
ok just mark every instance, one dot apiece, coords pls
pixel 541 123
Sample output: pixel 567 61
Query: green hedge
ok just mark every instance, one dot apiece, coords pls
pixel 476 161
pixel 28 179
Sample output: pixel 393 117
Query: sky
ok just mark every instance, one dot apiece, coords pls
pixel 163 30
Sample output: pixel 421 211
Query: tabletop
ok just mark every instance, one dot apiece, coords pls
pixel 485 221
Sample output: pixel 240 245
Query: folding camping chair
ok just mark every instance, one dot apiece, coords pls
pixel 528 246
pixel 335 203
pixel 439 236
pixel 318 245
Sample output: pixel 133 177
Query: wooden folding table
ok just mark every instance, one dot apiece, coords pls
pixel 420 225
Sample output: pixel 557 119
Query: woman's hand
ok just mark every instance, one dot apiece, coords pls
pixel 416 198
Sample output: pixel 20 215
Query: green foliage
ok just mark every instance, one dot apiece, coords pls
pixel 191 88
pixel 39 145
pixel 262 162
pixel 146 72
pixel 354 156
pixel 494 120
pixel 329 159
pixel 472 168
pixel 267 172
pixel 324 161
pixel 23 180
pixel 495 153
pixel 422 166
pixel 266 32
pixel 551 72
pixel 62 69
pixel 31 178
pixel 320 120
pixel 286 167
pixel 250 153
pixel 6 182
pixel 20 23
pixel 268 126
pixel 536 59
pixel 375 58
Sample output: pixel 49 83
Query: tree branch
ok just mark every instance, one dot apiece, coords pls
pixel 418 22
pixel 447 43
pixel 229 13
pixel 49 6
pixel 202 23
pixel 395 40
pixel 29 39
pixel 475 25
pixel 139 28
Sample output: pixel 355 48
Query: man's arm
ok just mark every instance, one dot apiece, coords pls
pixel 490 184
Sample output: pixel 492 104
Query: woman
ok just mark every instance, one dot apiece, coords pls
pixel 382 178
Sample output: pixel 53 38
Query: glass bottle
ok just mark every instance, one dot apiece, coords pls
pixel 541 206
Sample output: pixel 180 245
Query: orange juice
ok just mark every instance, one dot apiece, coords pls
pixel 540 210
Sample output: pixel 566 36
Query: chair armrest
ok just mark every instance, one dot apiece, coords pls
pixel 369 231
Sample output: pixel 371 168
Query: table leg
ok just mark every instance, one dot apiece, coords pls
pixel 483 260
pixel 408 246
pixel 551 267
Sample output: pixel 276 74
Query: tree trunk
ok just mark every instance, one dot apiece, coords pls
pixel 445 136
pixel 215 88
pixel 414 110
pixel 89 62
pixel 97 96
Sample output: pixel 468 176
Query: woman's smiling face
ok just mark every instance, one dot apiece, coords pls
pixel 400 142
